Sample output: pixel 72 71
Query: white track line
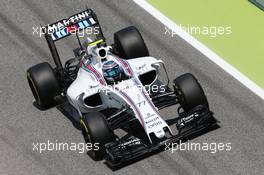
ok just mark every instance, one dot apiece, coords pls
pixel 202 48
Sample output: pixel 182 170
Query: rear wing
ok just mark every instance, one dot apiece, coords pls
pixel 66 27
pixel 71 25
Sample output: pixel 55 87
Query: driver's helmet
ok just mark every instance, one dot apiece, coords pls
pixel 111 71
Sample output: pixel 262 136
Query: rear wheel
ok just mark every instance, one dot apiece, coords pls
pixel 95 130
pixel 43 84
pixel 189 92
pixel 129 43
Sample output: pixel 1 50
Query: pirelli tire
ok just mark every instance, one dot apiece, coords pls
pixel 43 84
pixel 96 131
pixel 189 92
pixel 128 43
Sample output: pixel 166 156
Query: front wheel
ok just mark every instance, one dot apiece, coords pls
pixel 189 92
pixel 96 131
pixel 130 44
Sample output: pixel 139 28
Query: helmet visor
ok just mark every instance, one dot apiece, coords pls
pixel 112 72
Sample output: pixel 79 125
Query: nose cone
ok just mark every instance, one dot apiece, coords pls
pixel 160 134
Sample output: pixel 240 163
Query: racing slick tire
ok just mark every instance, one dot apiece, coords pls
pixel 43 84
pixel 95 130
pixel 128 43
pixel 189 92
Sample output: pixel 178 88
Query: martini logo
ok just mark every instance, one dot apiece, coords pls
pixel 73 25
pixel 65 22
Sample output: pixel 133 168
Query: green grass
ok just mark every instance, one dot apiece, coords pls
pixel 243 48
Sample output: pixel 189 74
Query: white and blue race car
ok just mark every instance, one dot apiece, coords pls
pixel 117 86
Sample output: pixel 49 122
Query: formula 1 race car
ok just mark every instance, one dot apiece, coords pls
pixel 117 87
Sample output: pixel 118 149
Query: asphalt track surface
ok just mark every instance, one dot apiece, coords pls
pixel 21 124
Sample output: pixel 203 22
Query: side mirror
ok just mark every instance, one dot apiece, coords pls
pixel 157 65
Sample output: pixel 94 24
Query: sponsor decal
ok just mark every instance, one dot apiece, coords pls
pixel 131 142
pixel 155 124
pixel 72 25
pixel 152 120
pixel 66 22
pixel 188 118
pixel 149 115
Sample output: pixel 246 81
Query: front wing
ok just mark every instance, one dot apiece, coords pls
pixel 131 148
